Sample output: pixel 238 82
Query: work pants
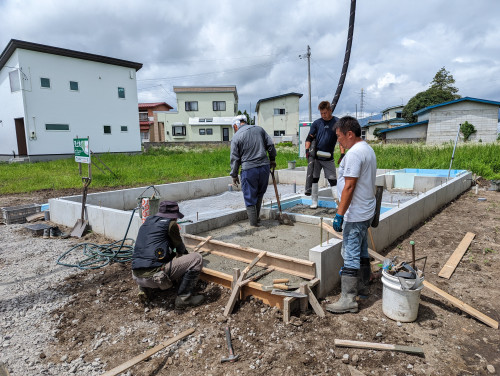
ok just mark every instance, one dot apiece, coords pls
pixel 254 182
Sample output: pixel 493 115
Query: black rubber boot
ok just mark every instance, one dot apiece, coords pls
pixel 185 297
pixel 144 294
pixel 258 206
pixel 347 301
pixel 364 279
pixel 252 215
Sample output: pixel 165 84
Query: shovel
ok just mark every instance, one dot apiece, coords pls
pixel 283 219
pixel 81 224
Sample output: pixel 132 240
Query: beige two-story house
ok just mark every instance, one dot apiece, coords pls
pixel 279 115
pixel 204 113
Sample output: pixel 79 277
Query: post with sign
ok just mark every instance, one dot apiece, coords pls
pixel 82 152
pixel 82 155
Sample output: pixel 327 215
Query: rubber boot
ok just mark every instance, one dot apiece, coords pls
pixel 334 193
pixel 364 278
pixel 144 294
pixel 258 206
pixel 314 196
pixel 347 301
pixel 252 215
pixel 185 297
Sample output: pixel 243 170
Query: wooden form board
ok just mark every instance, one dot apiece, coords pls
pixel 294 266
pixel 147 354
pixel 456 256
pixel 379 346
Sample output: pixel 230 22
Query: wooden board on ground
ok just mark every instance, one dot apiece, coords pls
pixel 457 255
pixel 35 217
pixel 147 354
pixel 378 346
pixel 290 265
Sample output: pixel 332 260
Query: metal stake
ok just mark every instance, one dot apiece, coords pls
pixel 321 230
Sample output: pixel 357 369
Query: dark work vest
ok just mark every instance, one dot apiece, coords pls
pixel 152 247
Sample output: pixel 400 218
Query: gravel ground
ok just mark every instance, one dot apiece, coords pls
pixel 29 293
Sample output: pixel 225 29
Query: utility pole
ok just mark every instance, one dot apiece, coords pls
pixel 362 105
pixel 308 56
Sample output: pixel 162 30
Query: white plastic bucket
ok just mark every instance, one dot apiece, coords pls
pixel 398 304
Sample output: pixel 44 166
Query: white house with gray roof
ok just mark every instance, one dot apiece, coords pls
pixel 279 115
pixel 50 95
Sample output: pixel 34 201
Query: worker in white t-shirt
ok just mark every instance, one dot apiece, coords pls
pixel 356 188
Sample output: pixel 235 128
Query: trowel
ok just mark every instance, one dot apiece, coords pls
pixel 81 224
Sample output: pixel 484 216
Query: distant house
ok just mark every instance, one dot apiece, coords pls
pixel 279 115
pixel 204 113
pixel 391 117
pixel 439 123
pixel 50 95
pixel 151 131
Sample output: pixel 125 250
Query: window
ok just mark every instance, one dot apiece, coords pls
pixel 15 84
pixel 143 116
pixel 191 106
pixel 399 115
pixel 279 111
pixel 219 105
pixel 57 127
pixel 178 130
pixel 107 129
pixel 124 128
pixel 209 131
pixel 202 131
pixel 279 133
pixel 73 86
pixel 121 92
pixel 45 82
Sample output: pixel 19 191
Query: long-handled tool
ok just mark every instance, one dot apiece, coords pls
pixel 231 357
pixel 81 224
pixel 283 219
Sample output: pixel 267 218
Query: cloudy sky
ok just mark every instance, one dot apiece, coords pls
pixel 398 45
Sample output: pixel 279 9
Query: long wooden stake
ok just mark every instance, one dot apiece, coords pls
pixel 147 354
pixel 379 346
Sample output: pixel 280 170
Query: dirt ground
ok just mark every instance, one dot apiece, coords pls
pixel 104 318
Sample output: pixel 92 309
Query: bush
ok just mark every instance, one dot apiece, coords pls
pixel 467 129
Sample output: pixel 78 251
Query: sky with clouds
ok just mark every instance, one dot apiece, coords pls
pixel 398 45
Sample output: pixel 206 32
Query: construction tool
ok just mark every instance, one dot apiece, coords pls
pixel 283 219
pixel 81 224
pixel 378 203
pixel 281 280
pixel 231 357
pixel 294 294
pixel 412 243
pixel 280 286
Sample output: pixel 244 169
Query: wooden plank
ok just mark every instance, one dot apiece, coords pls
pixel 454 301
pixel 371 238
pixel 290 265
pixel 236 291
pixel 463 306
pixel 3 370
pixel 457 255
pixel 236 276
pixel 304 303
pixel 287 303
pixel 197 248
pixel 34 217
pixel 379 346
pixel 147 354
pixel 314 303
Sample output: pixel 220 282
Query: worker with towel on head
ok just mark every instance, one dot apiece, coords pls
pixel 323 132
pixel 252 149
pixel 160 257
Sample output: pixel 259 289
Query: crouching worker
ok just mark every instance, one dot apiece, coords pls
pixel 160 257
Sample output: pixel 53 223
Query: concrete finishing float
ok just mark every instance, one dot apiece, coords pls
pixel 109 213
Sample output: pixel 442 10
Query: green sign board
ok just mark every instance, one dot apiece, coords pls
pixel 82 150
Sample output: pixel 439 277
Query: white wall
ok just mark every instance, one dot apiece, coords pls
pixel 87 110
pixel 288 122
pixel 444 122
pixel 11 107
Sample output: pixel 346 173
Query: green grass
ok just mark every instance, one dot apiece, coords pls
pixel 175 164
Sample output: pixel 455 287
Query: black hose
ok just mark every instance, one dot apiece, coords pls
pixel 347 55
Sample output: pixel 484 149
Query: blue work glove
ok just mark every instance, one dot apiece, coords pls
pixel 337 222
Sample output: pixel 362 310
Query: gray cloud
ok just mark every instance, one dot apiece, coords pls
pixel 397 49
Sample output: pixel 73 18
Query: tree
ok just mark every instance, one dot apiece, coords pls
pixel 467 129
pixel 444 80
pixel 441 90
